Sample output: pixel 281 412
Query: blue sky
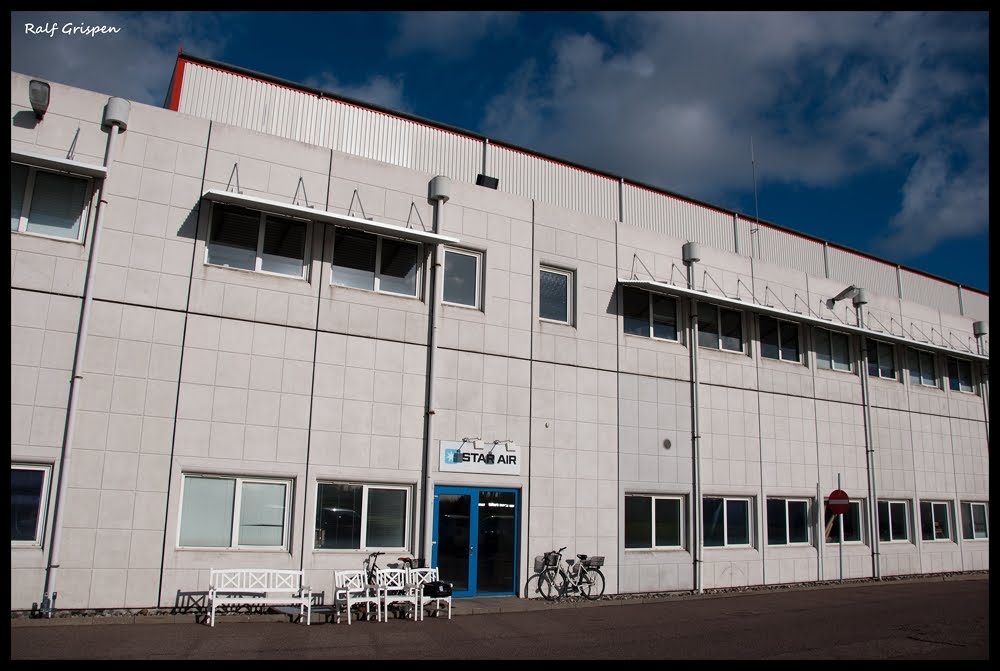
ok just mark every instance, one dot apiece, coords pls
pixel 869 129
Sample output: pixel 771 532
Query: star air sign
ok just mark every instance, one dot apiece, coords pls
pixel 500 457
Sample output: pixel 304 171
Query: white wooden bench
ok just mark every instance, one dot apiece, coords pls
pixel 258 587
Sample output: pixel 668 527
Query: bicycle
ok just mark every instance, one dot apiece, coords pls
pixel 370 564
pixel 555 578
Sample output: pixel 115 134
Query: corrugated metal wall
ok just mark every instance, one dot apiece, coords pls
pixel 786 249
pixel 269 108
pixel 977 305
pixel 297 115
pixel 678 218
pixel 562 185
pixel 862 271
pixel 928 291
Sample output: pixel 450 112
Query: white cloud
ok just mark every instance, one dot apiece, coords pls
pixel 940 202
pixel 378 90
pixel 673 98
pixel 135 63
pixel 449 34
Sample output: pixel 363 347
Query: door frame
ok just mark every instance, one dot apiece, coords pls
pixel 473 493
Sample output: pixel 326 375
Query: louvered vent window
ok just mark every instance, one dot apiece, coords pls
pixel 251 240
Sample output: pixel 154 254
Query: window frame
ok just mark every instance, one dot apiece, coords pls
pixel 43 504
pixel 718 333
pixel 366 487
pixel 28 195
pixel 262 217
pixel 831 333
pixel 751 528
pixel 920 355
pixel 570 294
pixel 651 321
pixel 955 382
pixel 968 505
pixel 653 498
pixel 234 545
pixel 808 516
pixel 934 520
pixel 873 347
pixel 852 503
pixel 478 256
pixel 377 272
pixel 781 324
pixel 889 505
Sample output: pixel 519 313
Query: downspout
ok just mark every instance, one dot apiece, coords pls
pixel 440 192
pixel 116 116
pixel 981 330
pixel 692 254
pixel 859 302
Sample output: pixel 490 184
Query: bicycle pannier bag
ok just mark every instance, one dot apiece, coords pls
pixel 437 589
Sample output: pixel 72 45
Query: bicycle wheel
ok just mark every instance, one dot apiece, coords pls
pixel 552 583
pixel 592 584
pixel 533 588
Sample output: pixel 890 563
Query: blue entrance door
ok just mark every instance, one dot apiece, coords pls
pixel 475 539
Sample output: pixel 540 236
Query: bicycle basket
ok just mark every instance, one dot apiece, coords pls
pixel 539 564
pixel 594 562
pixel 551 558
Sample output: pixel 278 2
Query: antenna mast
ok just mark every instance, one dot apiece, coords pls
pixel 756 213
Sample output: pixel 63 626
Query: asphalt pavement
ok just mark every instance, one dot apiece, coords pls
pixel 918 618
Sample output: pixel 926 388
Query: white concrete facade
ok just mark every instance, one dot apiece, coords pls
pixel 193 368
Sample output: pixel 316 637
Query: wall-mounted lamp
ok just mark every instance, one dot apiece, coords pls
pixel 488 182
pixel 849 292
pixel 38 96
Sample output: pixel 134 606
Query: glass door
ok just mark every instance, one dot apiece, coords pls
pixel 475 539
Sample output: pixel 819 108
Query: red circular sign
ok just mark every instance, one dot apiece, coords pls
pixel 838 503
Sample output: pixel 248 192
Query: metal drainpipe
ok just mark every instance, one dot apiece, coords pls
pixel 116 116
pixel 981 330
pixel 440 192
pixel 859 302
pixel 692 254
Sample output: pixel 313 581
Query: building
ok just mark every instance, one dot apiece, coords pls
pixel 313 329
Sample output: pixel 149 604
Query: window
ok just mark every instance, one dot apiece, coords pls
pixel 653 521
pixel 461 277
pixel 881 359
pixel 29 491
pixel 361 517
pixel 48 203
pixel 649 314
pixel 935 520
pixel 959 375
pixel 234 512
pixel 727 522
pixel 252 240
pixel 720 328
pixel 921 366
pixel 893 521
pixel 975 520
pixel 779 339
pixel 832 350
pixel 555 295
pixel 846 526
pixel 375 263
pixel 787 521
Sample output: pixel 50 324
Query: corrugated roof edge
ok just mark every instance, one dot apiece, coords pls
pixel 295 86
